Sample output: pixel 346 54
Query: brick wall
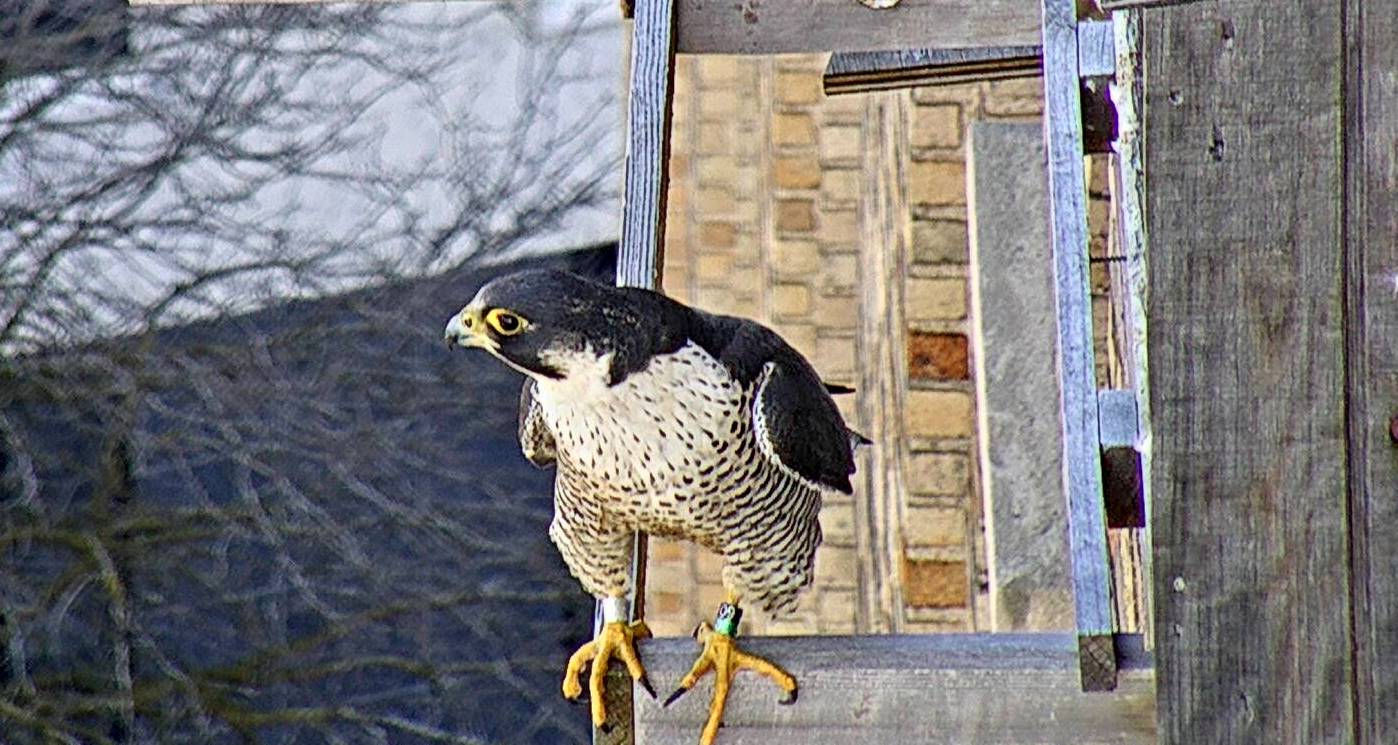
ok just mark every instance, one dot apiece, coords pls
pixel 768 201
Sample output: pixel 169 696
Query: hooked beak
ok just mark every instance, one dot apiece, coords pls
pixel 467 329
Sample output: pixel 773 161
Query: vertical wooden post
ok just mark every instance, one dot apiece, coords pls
pixel 1082 468
pixel 1243 156
pixel 649 97
pixel 1371 356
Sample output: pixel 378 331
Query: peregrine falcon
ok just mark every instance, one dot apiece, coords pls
pixel 669 420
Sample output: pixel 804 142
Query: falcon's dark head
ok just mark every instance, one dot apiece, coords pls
pixel 553 324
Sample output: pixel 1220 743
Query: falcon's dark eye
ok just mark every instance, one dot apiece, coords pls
pixel 504 322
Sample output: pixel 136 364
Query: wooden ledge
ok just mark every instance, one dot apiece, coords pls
pixel 946 688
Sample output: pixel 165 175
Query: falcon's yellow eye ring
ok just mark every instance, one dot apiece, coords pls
pixel 505 323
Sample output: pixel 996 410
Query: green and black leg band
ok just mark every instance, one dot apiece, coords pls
pixel 726 621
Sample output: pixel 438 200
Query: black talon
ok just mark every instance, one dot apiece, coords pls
pixel 789 698
pixel 644 680
pixel 605 728
pixel 675 696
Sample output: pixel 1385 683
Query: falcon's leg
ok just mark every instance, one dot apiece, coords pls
pixel 617 638
pixel 724 659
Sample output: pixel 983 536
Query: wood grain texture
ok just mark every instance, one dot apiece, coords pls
pixel 940 689
pixel 1371 355
pixel 1242 138
pixel 791 26
pixel 1087 525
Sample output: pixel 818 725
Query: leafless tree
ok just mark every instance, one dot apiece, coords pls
pixel 244 492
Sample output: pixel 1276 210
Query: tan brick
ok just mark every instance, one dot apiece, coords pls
pixel 939 242
pixel 667 603
pixel 708 566
pixel 935 584
pixel 943 474
pixel 713 298
pixel 795 257
pixel 937 183
pixel 935 298
pixel 934 526
pixel 799 87
pixel 791 300
pixel 793 129
pixel 718 235
pixel 938 356
pixel 707 597
pixel 836 611
pixel 715 202
pixel 717 69
pixel 713 266
pixel 719 105
pixel 801 336
pixel 837 524
pixel 834 357
pixel 840 226
pixel 797 172
pixel 835 566
pixel 715 137
pixel 840 144
pixel 1014 97
pixel 843 109
pixel 716 170
pixel 795 215
pixel 841 186
pixel 840 273
pixel 936 126
pixel 938 414
pixel 837 312
pixel 664 550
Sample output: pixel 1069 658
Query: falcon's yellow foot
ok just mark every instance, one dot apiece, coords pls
pixel 617 638
pixel 722 657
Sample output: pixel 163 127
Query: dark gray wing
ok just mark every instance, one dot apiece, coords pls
pixel 798 423
pixel 800 426
pixel 535 439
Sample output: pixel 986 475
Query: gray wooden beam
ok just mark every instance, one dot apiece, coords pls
pixel 1012 312
pixel 1371 357
pixel 988 689
pixel 791 26
pixel 1087 528
pixel 1243 143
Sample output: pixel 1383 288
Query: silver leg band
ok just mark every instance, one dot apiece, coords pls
pixel 615 609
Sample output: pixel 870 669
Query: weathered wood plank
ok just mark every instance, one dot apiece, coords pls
pixel 1012 307
pixel 788 26
pixel 1247 372
pixel 948 688
pixel 1082 477
pixel 1371 355
pixel 647 143
pixel 856 72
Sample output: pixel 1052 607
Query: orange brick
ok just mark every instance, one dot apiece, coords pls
pixel 935 584
pixel 938 356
